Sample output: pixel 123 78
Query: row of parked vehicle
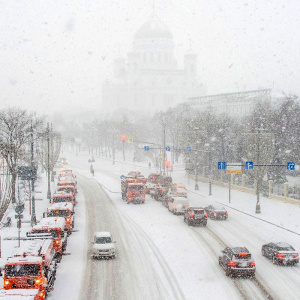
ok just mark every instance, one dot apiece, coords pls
pixel 237 261
pixel 31 272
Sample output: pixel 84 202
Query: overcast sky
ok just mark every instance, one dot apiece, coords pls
pixel 54 54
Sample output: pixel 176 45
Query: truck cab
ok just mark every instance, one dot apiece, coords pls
pixel 63 197
pixel 53 227
pixel 64 210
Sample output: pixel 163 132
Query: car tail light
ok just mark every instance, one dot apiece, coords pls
pixel 252 264
pixel 205 215
pixel 280 255
pixel 226 213
pixel 191 215
pixel 232 264
pixel 243 254
pixel 215 213
pixel 296 255
pixel 175 207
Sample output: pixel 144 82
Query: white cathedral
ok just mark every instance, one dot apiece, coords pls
pixel 149 78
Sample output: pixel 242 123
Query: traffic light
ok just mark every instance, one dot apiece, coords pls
pixel 167 163
pixel 123 138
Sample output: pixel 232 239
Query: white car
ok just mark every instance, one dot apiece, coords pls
pixel 177 205
pixel 103 245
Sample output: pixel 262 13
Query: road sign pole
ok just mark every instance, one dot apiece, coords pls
pixel 230 188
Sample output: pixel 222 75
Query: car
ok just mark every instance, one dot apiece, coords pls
pixel 134 174
pixel 280 253
pixel 63 160
pixel 103 245
pixel 216 212
pixel 177 205
pixel 177 185
pixel 178 192
pixel 195 216
pixel 237 261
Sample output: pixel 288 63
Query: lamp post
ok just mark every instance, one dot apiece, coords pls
pixel 48 165
pixel 33 216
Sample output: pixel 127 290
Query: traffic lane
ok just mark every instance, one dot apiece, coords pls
pixel 132 274
pixel 242 230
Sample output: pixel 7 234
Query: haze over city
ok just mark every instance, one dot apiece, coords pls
pixel 55 55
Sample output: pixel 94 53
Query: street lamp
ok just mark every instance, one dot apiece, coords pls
pixel 209 167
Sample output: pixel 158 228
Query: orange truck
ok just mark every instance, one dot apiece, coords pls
pixel 63 197
pixel 67 180
pixel 65 210
pixel 55 228
pixel 68 189
pixel 133 191
pixel 32 267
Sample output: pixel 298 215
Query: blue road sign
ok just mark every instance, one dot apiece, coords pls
pixel 221 165
pixel 146 148
pixel 122 176
pixel 249 165
pixel 168 148
pixel 291 166
pixel 189 149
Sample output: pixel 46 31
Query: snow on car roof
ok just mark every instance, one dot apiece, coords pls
pixel 51 222
pixel 135 183
pixel 27 259
pixel 61 205
pixel 102 234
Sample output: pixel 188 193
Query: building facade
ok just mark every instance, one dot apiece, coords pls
pixel 237 104
pixel 149 79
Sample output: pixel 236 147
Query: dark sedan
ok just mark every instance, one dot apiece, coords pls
pixel 216 212
pixel 282 253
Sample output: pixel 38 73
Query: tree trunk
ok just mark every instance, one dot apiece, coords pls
pixel 13 187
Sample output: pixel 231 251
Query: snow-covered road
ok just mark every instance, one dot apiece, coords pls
pixel 187 256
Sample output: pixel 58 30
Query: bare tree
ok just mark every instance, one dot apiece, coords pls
pixel 15 133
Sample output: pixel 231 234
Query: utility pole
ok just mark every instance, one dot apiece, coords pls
pixel 48 165
pixel 33 216
pixel 164 147
pixel 257 208
pixel 209 171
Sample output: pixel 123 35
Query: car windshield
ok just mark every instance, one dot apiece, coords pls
pixel 244 256
pixel 102 240
pixel 135 187
pixel 67 190
pixel 58 213
pixel 62 199
pixel 22 270
pixel 198 211
pixel 286 248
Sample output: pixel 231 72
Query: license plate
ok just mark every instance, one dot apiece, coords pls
pixel 244 264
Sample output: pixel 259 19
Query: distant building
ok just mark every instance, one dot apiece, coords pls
pixel 149 78
pixel 235 104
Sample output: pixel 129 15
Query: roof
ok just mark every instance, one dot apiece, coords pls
pixel 197 208
pixel 61 205
pixel 62 194
pixel 135 183
pixel 33 247
pixel 154 28
pixel 25 260
pixel 50 222
pixel 282 244
pixel 102 234
pixel 240 250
